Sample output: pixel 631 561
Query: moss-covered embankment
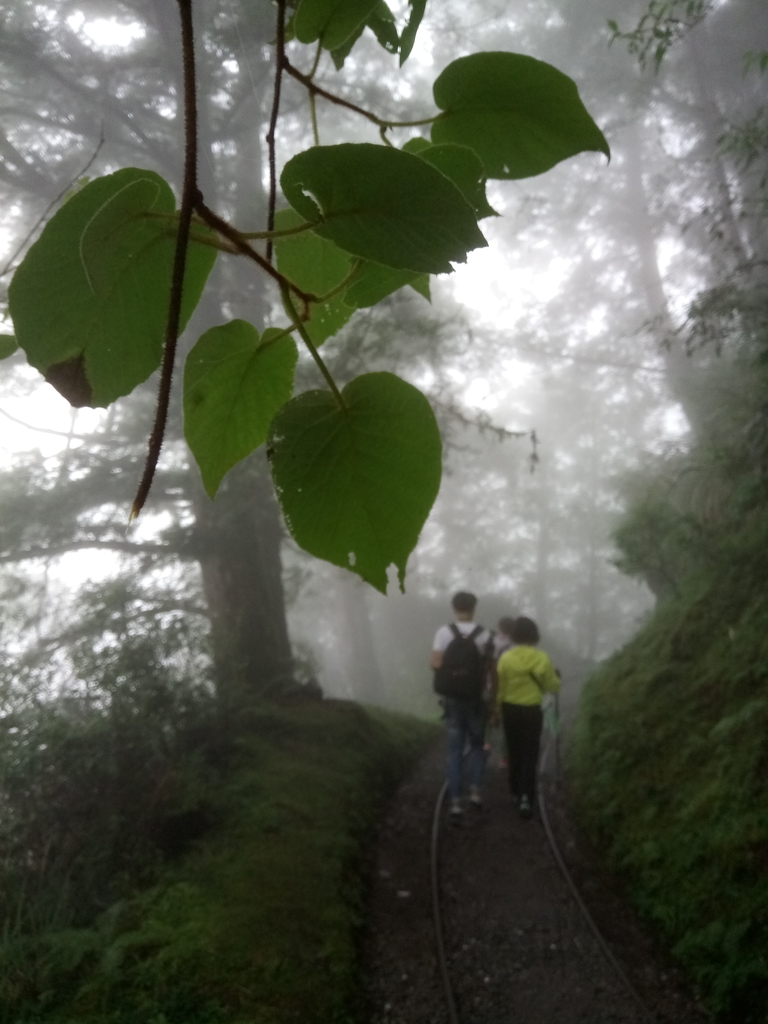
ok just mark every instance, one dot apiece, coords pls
pixel 670 765
pixel 259 921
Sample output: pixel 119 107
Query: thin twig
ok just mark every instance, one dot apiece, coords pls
pixel 317 90
pixel 279 64
pixel 89 438
pixel 380 122
pixel 189 198
pixel 9 265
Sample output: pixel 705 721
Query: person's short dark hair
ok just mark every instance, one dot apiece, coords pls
pixel 525 631
pixel 506 625
pixel 463 601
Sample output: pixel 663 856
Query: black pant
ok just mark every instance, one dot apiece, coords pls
pixel 522 730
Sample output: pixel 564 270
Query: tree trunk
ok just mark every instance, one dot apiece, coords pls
pixel 360 665
pixel 237 538
pixel 681 370
pixel 714 125
pixel 238 535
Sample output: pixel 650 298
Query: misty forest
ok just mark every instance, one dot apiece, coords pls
pixel 313 314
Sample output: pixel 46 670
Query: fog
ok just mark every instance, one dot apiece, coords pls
pixel 558 360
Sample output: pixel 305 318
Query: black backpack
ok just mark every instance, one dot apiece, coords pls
pixel 462 673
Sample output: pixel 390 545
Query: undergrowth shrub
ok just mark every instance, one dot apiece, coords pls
pixel 670 761
pixel 259 919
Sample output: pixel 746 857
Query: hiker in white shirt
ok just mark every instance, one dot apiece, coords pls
pixel 460 660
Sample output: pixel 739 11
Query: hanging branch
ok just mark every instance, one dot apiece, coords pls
pixel 189 198
pixel 279 63
pixel 9 266
pixel 380 122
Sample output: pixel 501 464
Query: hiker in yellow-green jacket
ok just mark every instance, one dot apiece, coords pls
pixel 525 674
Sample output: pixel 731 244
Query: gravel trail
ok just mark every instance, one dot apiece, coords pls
pixel 519 950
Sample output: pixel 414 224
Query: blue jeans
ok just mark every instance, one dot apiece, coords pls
pixel 465 721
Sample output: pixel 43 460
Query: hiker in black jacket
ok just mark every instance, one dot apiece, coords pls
pixel 460 659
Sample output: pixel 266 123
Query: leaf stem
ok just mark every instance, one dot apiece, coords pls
pixel 417 123
pixel 316 64
pixel 343 284
pixel 312 100
pixel 189 198
pixel 313 115
pixel 242 246
pixel 298 229
pixel 290 308
pixel 173 220
pixel 271 341
pixel 212 241
pixel 279 66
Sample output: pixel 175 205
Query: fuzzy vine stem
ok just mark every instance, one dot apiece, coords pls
pixel 190 196
pixel 297 323
pixel 242 246
pixel 279 66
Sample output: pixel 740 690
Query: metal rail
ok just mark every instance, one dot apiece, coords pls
pixel 647 1013
pixel 445 976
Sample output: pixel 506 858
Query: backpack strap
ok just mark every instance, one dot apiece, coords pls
pixel 458 635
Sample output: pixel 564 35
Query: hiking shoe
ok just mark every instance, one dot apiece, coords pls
pixel 526 811
pixel 475 797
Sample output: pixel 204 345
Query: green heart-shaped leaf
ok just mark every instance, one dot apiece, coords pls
pixel 464 168
pixel 520 115
pixel 382 24
pixel 356 484
pixel 333 21
pixel 408 35
pixel 374 282
pixel 384 205
pixel 234 383
pixel 90 300
pixel 315 265
pixel 340 54
pixel 8 345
